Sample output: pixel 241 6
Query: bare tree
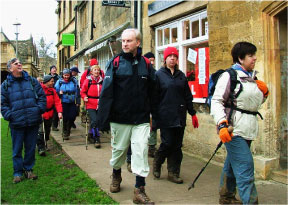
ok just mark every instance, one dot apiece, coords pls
pixel 47 56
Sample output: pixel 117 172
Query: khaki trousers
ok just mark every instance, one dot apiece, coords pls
pixel 137 135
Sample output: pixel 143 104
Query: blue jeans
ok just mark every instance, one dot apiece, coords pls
pixel 28 137
pixel 238 170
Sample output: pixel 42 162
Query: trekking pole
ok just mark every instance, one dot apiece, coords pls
pixel 230 130
pixel 218 147
pixel 86 128
pixel 44 136
pixel 61 125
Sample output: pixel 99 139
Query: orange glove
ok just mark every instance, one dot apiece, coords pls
pixel 263 87
pixel 195 121
pixel 224 135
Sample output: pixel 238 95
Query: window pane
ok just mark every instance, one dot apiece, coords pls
pixel 186 30
pixel 204 26
pixel 195 29
pixel 160 59
pixel 174 35
pixel 160 37
pixel 166 36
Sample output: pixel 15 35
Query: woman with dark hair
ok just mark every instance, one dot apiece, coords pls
pixel 239 167
pixel 174 100
pixel 68 91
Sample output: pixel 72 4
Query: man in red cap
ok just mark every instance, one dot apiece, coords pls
pixel 86 73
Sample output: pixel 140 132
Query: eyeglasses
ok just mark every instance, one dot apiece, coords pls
pixel 17 63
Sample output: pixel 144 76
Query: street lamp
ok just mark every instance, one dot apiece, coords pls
pixel 16 24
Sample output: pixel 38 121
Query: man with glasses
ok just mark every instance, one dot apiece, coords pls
pixel 22 103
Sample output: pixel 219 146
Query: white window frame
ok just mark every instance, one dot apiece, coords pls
pixel 180 44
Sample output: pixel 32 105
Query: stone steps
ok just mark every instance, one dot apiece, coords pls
pixel 280 176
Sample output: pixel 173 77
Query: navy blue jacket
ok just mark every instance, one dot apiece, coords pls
pixel 128 92
pixel 174 98
pixel 22 102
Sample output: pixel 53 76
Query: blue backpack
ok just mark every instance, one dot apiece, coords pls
pixel 233 82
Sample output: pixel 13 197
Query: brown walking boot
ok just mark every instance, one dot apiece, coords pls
pixel 174 177
pixel 30 175
pixel 140 197
pixel 116 181
pixel 17 179
pixel 129 167
pixel 156 169
pixel 97 143
pixel 229 200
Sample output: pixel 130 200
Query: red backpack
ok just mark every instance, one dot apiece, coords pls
pixel 117 59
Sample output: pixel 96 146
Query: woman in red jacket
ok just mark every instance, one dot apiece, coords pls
pixel 90 93
pixel 52 101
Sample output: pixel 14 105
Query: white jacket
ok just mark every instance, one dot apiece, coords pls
pixel 250 98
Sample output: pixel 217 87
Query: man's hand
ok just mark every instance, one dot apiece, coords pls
pixel 60 115
pixel 85 99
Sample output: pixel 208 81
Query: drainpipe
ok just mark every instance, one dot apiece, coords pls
pixel 139 15
pixel 135 14
pixel 92 21
pixel 75 44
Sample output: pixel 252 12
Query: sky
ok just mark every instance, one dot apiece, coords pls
pixel 37 17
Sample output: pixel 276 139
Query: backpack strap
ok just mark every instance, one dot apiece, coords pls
pixel 147 61
pixel 88 72
pixel 116 61
pixel 89 84
pixel 33 84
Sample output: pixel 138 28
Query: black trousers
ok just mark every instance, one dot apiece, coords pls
pixel 55 118
pixel 171 148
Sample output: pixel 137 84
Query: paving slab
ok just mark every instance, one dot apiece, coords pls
pixel 95 162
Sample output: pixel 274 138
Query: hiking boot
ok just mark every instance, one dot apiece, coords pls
pixel 156 169
pixel 42 152
pixel 97 143
pixel 151 151
pixel 129 167
pixel 174 177
pixel 229 200
pixel 30 175
pixel 17 179
pixel 55 129
pixel 140 197
pixel 116 181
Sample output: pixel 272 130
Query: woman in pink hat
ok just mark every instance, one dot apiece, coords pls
pixel 174 100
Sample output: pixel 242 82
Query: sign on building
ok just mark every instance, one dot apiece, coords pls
pixel 113 3
pixel 68 39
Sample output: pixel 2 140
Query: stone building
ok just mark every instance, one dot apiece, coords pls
pixel 27 54
pixel 204 33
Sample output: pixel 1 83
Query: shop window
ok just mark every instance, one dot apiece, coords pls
pixel 174 35
pixel 195 29
pixel 160 37
pixel 166 36
pixel 190 36
pixel 186 30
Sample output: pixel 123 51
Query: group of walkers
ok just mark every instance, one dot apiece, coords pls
pixel 124 100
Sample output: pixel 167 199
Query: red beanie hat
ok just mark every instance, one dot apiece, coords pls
pixel 169 51
pixel 93 61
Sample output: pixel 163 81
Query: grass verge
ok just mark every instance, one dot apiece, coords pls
pixel 60 180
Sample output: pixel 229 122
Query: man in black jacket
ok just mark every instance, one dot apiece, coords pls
pixel 126 102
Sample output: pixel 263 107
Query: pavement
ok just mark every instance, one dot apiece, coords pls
pixel 95 162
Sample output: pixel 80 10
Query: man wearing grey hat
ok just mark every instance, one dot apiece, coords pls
pixel 22 103
pixel 53 103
